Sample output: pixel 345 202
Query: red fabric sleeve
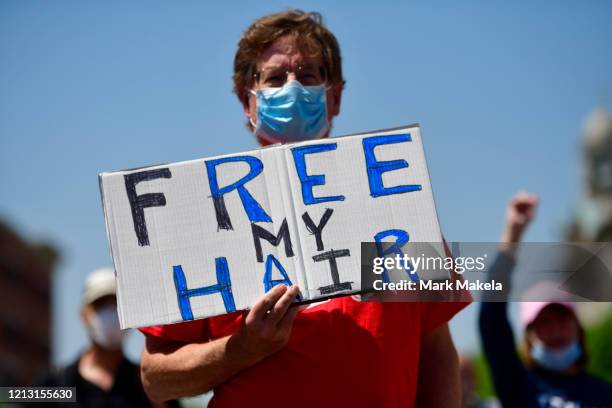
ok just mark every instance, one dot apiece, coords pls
pixel 434 314
pixel 189 332
pixel 196 331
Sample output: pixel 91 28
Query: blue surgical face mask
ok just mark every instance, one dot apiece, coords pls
pixel 292 113
pixel 555 359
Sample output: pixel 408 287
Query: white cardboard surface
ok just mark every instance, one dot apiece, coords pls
pixel 185 232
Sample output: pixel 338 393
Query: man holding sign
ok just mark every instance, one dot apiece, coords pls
pixel 288 77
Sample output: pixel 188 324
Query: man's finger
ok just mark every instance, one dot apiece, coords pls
pixel 260 309
pixel 280 308
pixel 287 320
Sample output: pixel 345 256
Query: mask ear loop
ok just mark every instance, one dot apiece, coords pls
pixel 251 121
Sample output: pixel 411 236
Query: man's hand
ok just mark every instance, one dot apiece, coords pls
pixel 171 369
pixel 519 213
pixel 268 324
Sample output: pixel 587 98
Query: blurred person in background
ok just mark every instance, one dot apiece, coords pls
pixel 102 375
pixel 553 374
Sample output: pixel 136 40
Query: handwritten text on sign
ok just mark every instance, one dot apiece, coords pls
pixel 205 237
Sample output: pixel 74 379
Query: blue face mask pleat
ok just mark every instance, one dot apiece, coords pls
pixel 292 113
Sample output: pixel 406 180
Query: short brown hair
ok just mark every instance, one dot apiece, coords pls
pixel 309 33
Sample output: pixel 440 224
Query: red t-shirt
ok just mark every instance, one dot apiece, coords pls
pixel 342 352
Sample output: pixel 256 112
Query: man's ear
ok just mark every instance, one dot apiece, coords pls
pixel 245 100
pixel 336 98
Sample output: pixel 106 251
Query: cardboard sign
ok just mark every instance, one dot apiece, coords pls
pixel 206 237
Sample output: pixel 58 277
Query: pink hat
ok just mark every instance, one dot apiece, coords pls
pixel 546 292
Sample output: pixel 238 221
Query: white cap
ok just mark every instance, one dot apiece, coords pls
pixel 99 283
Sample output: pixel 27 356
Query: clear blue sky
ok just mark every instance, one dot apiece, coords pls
pixel 501 90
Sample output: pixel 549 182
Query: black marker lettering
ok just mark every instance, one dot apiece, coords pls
pixel 139 202
pixel 283 235
pixel 317 230
pixel 331 257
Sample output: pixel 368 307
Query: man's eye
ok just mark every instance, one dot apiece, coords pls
pixel 274 80
pixel 309 79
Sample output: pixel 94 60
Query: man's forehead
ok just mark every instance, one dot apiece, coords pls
pixel 286 52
